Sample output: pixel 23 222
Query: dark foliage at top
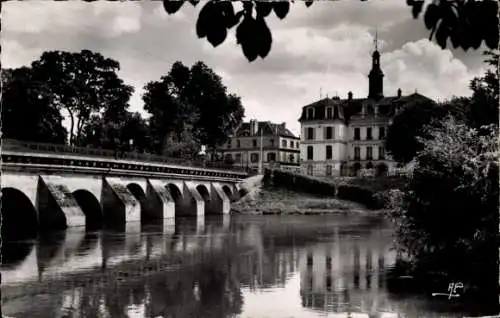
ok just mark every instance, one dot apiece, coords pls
pixel 465 23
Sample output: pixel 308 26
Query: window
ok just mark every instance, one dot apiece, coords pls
pixel 369 109
pixel 357 134
pixel 298 145
pixel 271 157
pixel 254 143
pixel 310 133
pixel 328 262
pixel 310 113
pixel 328 283
pixel 357 153
pixel 328 132
pixel 229 144
pixel 272 142
pixel 238 157
pixel 309 152
pixel 238 144
pixel 328 152
pixel 381 153
pixel 328 170
pixel 309 259
pixel 291 158
pixel 369 153
pixel 336 113
pixel 369 133
pixel 381 132
pixel 283 143
pixel 254 157
pixel 329 113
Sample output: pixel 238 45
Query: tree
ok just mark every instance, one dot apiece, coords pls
pixel 219 113
pixel 483 106
pixel 27 110
pixel 447 220
pixel 83 84
pixel 166 101
pixel 191 102
pixel 401 141
pixel 466 23
pixel 126 132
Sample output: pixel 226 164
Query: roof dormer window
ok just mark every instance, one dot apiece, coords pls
pixel 329 113
pixel 336 112
pixel 310 113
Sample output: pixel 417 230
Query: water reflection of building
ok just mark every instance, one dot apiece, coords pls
pixel 345 275
pixel 262 266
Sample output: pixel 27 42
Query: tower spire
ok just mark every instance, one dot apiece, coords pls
pixel 376 85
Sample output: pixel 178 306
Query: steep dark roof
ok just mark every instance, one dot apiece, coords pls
pixel 348 108
pixel 267 128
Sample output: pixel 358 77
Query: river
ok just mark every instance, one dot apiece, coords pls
pixel 238 266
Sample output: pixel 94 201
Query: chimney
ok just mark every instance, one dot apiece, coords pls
pixel 399 92
pixel 349 95
pixel 254 127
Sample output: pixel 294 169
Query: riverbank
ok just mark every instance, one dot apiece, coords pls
pixel 265 200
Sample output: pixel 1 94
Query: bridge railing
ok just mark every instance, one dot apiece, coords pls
pixel 24 146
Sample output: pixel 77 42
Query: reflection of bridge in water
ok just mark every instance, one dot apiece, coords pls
pixel 80 259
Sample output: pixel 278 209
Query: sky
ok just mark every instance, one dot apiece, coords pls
pixel 324 49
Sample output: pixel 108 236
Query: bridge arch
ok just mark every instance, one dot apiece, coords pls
pixel 175 192
pixel 94 217
pixel 19 216
pixel 203 191
pixel 139 194
pixel 228 191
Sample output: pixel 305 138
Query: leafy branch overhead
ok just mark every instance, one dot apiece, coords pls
pixel 466 23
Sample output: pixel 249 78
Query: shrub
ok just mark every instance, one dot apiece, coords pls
pixel 447 220
pixel 359 194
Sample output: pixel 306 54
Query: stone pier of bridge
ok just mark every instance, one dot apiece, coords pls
pixel 52 201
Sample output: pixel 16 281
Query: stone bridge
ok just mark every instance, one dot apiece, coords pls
pixel 44 191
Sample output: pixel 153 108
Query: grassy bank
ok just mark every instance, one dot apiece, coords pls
pixel 263 199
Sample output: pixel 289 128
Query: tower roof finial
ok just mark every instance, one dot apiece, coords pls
pixel 376 39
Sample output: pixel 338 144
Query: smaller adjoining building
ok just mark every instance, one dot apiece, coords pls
pixel 280 147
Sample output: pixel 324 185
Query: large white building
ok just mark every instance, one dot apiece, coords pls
pixel 343 136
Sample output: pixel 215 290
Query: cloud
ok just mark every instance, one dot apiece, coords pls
pixel 327 46
pixel 38 17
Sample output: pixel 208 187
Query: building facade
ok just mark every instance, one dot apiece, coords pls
pixel 280 147
pixel 342 137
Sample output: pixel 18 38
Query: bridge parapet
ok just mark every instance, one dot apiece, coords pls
pixel 18 147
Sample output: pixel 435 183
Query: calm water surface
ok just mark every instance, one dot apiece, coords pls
pixel 272 266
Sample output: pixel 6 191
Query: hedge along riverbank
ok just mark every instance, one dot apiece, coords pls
pixel 298 183
pixel 306 184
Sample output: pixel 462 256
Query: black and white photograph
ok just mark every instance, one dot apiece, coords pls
pixel 250 159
